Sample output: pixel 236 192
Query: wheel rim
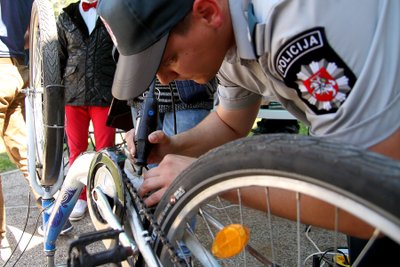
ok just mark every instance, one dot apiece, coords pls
pixel 178 229
pixel 36 88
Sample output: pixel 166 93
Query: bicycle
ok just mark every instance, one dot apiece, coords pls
pixel 44 104
pixel 287 164
pixel 140 236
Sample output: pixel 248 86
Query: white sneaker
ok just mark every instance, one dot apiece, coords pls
pixel 5 249
pixel 79 210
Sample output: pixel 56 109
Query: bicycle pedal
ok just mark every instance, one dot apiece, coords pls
pixel 78 254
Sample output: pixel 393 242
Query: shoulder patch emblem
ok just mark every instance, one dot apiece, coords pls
pixel 323 85
pixel 309 65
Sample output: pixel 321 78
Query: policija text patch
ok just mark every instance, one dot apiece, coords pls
pixel 308 64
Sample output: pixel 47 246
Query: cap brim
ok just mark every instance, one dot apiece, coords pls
pixel 134 73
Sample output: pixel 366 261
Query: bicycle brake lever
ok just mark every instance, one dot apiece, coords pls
pixel 147 124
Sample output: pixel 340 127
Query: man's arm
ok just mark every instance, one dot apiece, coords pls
pixel 390 147
pixel 218 128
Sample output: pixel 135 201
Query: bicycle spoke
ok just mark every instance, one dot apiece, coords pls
pixel 269 215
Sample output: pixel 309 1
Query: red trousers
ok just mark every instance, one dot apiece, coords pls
pixel 77 129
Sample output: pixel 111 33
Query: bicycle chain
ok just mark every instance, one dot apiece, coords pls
pixel 144 210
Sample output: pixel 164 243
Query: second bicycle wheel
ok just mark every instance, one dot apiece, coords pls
pixel 46 95
pixel 291 182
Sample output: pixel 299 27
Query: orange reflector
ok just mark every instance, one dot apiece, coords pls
pixel 230 241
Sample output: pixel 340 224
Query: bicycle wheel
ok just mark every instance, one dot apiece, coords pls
pixel 207 206
pixel 46 96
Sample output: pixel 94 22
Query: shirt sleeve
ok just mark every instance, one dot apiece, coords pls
pixel 233 93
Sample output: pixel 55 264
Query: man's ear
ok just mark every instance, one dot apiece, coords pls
pixel 209 11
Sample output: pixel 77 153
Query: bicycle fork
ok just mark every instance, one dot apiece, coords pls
pixel 68 196
pixel 55 123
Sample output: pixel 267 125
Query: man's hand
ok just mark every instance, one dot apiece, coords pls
pixel 158 179
pixel 130 141
pixel 159 149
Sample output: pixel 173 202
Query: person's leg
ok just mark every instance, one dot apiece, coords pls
pixel 12 125
pixel 10 114
pixel 15 135
pixel 15 138
pixel 185 120
pixel 2 214
pixel 104 136
pixel 77 128
pixel 5 250
pixel 12 122
pixel 4 103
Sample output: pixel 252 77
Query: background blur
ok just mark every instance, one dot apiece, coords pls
pixel 59 4
pixel 5 163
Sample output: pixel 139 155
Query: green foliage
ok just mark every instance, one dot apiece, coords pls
pixel 303 129
pixel 5 163
pixel 58 5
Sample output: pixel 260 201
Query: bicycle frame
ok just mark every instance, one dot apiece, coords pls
pixel 138 240
pixel 68 196
pixel 74 182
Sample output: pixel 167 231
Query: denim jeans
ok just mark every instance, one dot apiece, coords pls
pixel 185 120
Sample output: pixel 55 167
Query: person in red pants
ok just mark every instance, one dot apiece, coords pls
pixel 77 128
pixel 87 69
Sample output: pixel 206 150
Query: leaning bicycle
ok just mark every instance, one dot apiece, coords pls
pixel 44 104
pixel 205 219
pixel 45 98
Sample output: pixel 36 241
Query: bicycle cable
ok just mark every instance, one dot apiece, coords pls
pixel 30 239
pixel 23 231
pixel 332 262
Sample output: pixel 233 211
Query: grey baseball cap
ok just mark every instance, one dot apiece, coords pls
pixel 139 29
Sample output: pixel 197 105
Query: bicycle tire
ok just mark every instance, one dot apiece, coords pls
pixel 46 93
pixel 281 161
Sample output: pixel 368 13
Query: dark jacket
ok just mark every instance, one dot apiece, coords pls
pixel 87 65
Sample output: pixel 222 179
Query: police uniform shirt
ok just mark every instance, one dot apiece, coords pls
pixel 332 64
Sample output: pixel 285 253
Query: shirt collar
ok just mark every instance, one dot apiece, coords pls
pixel 241 30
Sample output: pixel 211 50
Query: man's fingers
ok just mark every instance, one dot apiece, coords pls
pixel 151 182
pixel 154 198
pixel 152 190
pixel 157 137
pixel 130 135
